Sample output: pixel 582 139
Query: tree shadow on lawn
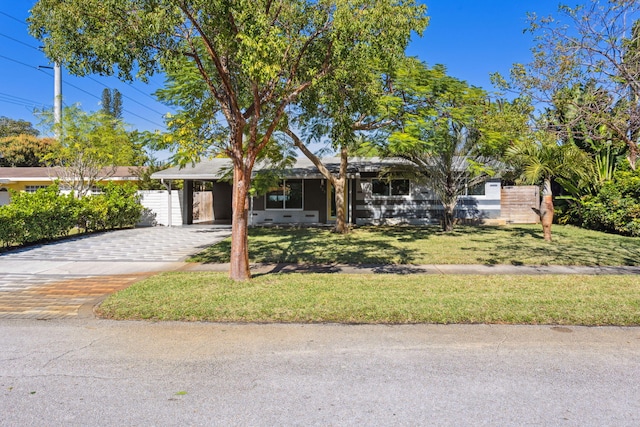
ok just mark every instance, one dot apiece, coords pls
pixel 310 246
pixel 570 246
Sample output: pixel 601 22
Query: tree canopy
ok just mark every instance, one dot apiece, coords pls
pixel 90 147
pixel 592 48
pixel 449 132
pixel 25 150
pixel 13 127
pixel 232 67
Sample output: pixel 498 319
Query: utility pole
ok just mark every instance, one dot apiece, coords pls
pixel 57 93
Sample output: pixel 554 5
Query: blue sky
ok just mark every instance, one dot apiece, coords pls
pixel 471 38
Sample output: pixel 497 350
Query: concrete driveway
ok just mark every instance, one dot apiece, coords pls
pixel 67 278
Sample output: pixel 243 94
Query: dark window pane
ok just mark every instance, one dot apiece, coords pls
pixel 379 187
pixel 293 194
pixel 275 198
pixel 476 190
pixel 400 187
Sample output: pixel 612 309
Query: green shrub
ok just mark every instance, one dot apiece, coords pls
pixel 46 214
pixel 43 215
pixel 12 231
pixel 616 207
pixel 118 206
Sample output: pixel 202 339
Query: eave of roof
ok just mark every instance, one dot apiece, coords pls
pixel 219 168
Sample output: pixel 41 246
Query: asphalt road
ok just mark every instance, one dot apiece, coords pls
pixel 89 372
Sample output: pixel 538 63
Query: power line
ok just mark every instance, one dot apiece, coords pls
pixel 126 111
pixel 72 85
pixel 6 97
pixel 13 17
pixel 21 42
pixel 129 98
pixel 23 63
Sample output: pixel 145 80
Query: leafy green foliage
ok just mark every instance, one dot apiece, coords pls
pixel 441 133
pixel 616 206
pixel 46 214
pixel 43 215
pixel 91 146
pixel 118 206
pixel 12 127
pixel 25 150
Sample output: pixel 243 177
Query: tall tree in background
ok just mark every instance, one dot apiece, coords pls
pixel 592 45
pixel 25 150
pixel 241 63
pixel 91 146
pixel 111 103
pixel 12 127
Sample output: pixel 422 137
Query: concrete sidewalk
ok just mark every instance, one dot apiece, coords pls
pixel 423 269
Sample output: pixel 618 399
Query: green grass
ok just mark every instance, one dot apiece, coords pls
pixel 381 298
pixel 515 245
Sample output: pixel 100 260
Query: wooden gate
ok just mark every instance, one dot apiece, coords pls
pixel 203 206
pixel 517 204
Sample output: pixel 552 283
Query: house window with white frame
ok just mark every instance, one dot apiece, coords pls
pixel 33 188
pixel 476 190
pixel 394 187
pixel 287 195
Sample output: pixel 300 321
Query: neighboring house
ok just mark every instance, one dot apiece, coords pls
pixel 304 196
pixel 31 179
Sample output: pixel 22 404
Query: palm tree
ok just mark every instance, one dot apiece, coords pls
pixel 543 160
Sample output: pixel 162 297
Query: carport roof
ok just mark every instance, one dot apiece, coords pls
pixel 218 168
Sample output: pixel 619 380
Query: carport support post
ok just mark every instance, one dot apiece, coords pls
pixel 187 202
pixel 169 206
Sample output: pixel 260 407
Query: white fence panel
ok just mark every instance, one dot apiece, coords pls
pixel 156 204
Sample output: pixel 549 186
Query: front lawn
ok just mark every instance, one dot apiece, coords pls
pixel 382 298
pixel 516 245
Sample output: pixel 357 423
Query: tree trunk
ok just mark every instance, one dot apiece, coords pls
pixel 239 269
pixel 633 156
pixel 447 217
pixel 341 212
pixel 546 209
pixel 341 201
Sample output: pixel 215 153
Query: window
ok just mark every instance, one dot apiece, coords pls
pixel 476 190
pixel 395 187
pixel 33 188
pixel 287 195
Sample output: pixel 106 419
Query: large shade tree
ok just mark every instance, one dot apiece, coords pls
pixel 346 114
pixel 234 66
pixel 449 133
pixel 595 46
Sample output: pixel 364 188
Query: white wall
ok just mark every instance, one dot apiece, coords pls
pixel 156 203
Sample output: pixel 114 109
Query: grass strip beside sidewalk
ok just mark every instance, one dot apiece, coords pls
pixel 381 298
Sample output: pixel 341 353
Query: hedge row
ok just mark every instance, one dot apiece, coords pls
pixel 47 214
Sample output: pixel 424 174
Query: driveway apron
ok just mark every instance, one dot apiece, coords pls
pixel 67 278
